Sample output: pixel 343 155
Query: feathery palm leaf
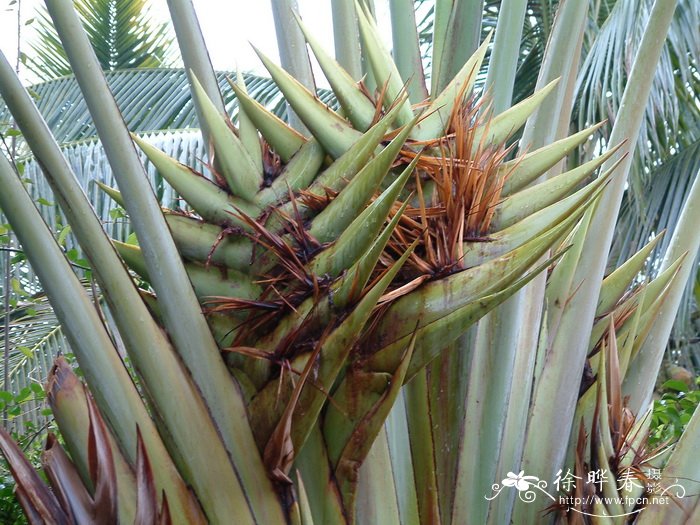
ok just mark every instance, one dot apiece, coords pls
pixel 150 99
pixel 122 33
pixel 665 191
pixel 672 117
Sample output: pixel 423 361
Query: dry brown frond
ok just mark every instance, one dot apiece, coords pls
pixel 457 186
pixel 317 202
pixel 272 164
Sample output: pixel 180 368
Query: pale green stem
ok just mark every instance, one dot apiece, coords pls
pixel 367 74
pixel 406 49
pixel 416 405
pixel 292 50
pixel 447 396
pixel 441 18
pixel 115 393
pixel 555 392
pixel 486 402
pixel 6 327
pixel 314 468
pixel 513 435
pixel 370 5
pixel 494 437
pixel 644 368
pixel 560 61
pixel 99 360
pixel 195 56
pixel 497 337
pixel 503 64
pixel 346 36
pixel 456 36
pixel 399 441
pixel 180 308
pixel 376 493
pixel 168 384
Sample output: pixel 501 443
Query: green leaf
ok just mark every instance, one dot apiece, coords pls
pixel 17 288
pixel 283 139
pixel 526 169
pixel 438 113
pixel 195 239
pixel 18 258
pixel 63 235
pixel 530 200
pixel 244 178
pixel 23 394
pixel 6 396
pixel 677 386
pixel 357 238
pixel 340 213
pixel 356 106
pixel 505 124
pixel 207 199
pixel 26 351
pixel 207 281
pixel 299 172
pixel 383 67
pixel 117 213
pixel 332 131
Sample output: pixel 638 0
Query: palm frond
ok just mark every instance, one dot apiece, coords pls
pixel 150 99
pixel 88 161
pixel 666 189
pixel 672 114
pixel 36 340
pixel 122 33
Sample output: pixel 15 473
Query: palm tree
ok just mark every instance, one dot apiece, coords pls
pixel 122 33
pixel 337 374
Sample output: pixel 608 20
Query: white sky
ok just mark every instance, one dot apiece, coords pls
pixel 228 26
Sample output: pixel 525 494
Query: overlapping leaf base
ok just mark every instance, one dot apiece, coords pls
pixel 332 268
